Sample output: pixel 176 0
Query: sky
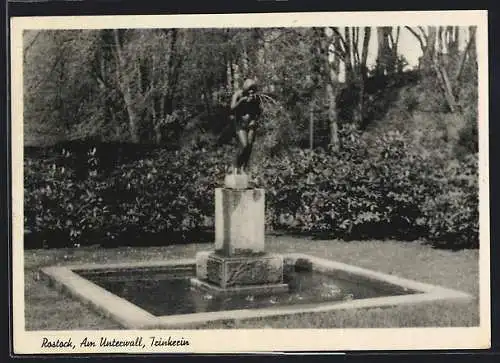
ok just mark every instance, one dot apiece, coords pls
pixel 408 46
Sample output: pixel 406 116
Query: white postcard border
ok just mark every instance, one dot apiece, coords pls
pixel 257 339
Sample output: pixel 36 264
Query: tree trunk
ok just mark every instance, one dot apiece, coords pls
pixel 440 66
pixel 245 60
pixel 472 41
pixel 397 65
pixel 229 76
pixel 125 87
pixel 447 87
pixel 133 117
pixel 326 79
pixel 311 127
pixel 429 50
pixel 364 74
pixel 157 124
pixel 102 73
pixel 332 117
pixel 349 76
pixel 381 46
pixel 467 54
pixel 364 52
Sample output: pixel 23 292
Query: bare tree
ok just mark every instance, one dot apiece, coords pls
pixel 165 70
pixel 147 71
pixel 440 47
pixel 347 48
pixel 387 52
pixel 129 87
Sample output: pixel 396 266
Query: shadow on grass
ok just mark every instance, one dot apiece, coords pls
pixel 60 239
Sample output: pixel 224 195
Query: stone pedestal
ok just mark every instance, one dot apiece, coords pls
pixel 239 221
pixel 239 263
pixel 236 181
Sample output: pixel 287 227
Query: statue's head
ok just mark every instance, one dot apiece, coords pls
pixel 250 86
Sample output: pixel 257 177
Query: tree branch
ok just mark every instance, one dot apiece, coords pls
pixel 355 42
pixel 398 32
pixel 343 44
pixel 462 60
pixel 422 30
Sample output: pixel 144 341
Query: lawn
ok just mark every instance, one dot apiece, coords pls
pixel 413 260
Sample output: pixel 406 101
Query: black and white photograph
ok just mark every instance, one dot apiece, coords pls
pixel 250 182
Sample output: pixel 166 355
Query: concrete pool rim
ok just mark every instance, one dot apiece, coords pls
pixel 131 316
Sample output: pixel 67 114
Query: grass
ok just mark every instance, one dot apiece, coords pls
pixel 457 270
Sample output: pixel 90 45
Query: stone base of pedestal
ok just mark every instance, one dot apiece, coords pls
pixel 239 263
pixel 239 271
pixel 254 290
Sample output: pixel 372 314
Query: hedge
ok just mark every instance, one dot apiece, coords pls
pixel 370 189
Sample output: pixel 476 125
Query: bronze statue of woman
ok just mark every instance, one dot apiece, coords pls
pixel 245 112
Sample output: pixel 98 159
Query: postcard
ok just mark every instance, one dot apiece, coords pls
pixel 266 182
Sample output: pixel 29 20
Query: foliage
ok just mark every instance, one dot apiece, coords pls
pixel 395 192
pixel 165 191
pixel 452 217
pixel 371 188
pixel 396 153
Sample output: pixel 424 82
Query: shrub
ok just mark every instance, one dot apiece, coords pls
pixel 383 187
pixel 169 192
pixel 452 216
pixel 389 189
pixel 60 207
